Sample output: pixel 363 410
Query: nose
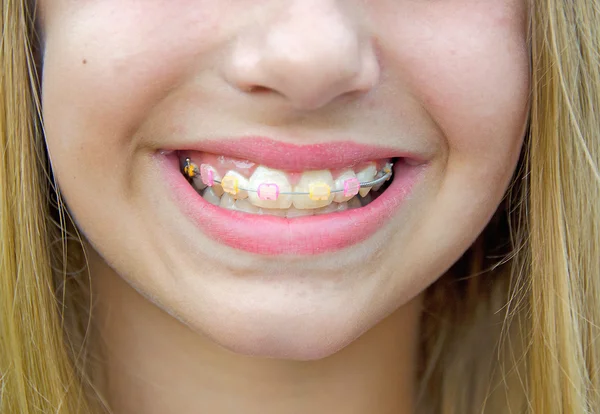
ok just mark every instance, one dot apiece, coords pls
pixel 309 53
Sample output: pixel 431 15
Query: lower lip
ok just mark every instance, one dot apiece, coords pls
pixel 269 235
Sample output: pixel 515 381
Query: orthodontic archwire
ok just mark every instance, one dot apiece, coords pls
pixel 270 191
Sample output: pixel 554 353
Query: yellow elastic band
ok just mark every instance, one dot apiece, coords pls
pixel 319 191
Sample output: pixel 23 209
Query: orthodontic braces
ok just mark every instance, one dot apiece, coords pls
pixel 270 191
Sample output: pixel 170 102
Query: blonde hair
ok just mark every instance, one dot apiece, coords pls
pixel 511 328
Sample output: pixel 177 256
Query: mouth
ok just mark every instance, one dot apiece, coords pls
pixel 256 204
pixel 242 185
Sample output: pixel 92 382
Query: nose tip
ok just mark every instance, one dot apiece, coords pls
pixel 307 60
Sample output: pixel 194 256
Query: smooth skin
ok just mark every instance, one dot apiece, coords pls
pixel 191 326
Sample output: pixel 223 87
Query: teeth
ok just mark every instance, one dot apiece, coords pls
pixel 270 184
pixel 388 167
pixel 233 182
pixel 227 201
pixel 198 184
pixel 354 203
pixel 339 197
pixel 378 186
pixel 273 212
pixel 366 174
pixel 208 175
pixel 319 185
pixel 210 196
pixel 268 191
pixel 332 208
pixel 342 207
pixel 294 212
pixel 366 200
pixel 217 189
pixel 246 207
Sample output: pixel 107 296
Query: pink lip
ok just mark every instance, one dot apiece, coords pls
pixel 293 158
pixel 269 235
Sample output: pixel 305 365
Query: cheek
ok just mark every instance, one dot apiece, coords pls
pixel 467 63
pixel 107 64
pixel 478 96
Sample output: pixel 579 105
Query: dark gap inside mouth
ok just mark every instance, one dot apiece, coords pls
pixel 373 195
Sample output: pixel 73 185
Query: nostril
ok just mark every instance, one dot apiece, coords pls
pixel 308 69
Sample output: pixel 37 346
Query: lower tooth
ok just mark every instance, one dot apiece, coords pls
pixel 353 203
pixel 294 212
pixel 209 195
pixel 342 206
pixel 227 201
pixel 246 207
pixel 273 212
pixel 331 208
pixel 366 199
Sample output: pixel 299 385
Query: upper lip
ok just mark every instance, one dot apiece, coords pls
pixel 293 157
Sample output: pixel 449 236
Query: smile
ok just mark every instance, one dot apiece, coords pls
pixel 240 185
pixel 260 209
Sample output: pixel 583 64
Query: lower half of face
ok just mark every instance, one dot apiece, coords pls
pixel 279 183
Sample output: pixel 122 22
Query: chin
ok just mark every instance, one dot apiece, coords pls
pixel 300 337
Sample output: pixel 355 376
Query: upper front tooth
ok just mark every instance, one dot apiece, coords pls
pixel 319 185
pixel 235 184
pixel 339 197
pixel 365 175
pixel 354 203
pixel 269 185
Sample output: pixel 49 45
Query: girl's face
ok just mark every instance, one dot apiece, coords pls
pixel 282 96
